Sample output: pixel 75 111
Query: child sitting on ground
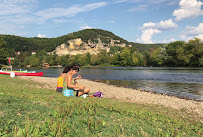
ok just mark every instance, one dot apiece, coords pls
pixel 72 84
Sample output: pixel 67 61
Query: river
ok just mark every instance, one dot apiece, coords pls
pixel 177 81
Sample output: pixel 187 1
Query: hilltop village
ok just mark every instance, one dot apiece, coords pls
pixel 78 46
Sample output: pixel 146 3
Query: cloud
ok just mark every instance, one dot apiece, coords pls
pixel 120 1
pixel 111 21
pixel 86 27
pixel 59 20
pixel 163 25
pixel 147 4
pixel 40 36
pixel 192 32
pixel 139 8
pixel 18 19
pixel 11 29
pixel 188 8
pixel 147 36
pixel 166 40
pixel 15 25
pixel 68 12
pixel 14 14
pixel 12 7
pixel 149 29
pixel 200 36
pixel 167 2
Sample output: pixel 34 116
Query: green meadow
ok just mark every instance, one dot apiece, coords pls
pixel 28 110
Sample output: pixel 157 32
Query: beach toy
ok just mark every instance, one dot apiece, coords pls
pixel 84 95
pixel 68 93
pixel 12 74
pixel 98 94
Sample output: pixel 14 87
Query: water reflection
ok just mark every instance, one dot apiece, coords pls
pixel 184 90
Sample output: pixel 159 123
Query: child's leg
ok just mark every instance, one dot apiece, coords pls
pixel 85 91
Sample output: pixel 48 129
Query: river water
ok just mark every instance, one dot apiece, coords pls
pixel 176 81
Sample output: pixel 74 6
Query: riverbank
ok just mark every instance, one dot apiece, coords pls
pixel 130 95
pixel 30 106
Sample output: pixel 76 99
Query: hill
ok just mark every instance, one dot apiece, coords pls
pixel 17 43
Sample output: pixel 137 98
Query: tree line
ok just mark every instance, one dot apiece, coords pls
pixel 3 52
pixel 35 44
pixel 174 54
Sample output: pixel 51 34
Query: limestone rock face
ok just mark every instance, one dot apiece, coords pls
pixel 77 46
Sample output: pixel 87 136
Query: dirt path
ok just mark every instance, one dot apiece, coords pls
pixel 129 95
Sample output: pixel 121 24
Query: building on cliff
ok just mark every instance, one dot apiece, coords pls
pixel 77 46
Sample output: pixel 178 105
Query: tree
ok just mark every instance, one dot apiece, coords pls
pixel 41 53
pixel 65 60
pixel 3 52
pixel 195 47
pixel 184 56
pixel 115 59
pixel 157 57
pixel 125 57
pixel 26 61
pixel 58 60
pixel 94 60
pixel 171 51
pixel 103 57
pixel 146 58
pixel 137 59
pixel 11 53
pixel 21 56
pixel 201 61
pixel 54 59
pixel 34 62
pixel 114 50
pixel 48 59
pixel 88 58
pixel 82 60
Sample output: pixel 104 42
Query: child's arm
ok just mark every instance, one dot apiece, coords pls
pixel 78 77
pixel 70 85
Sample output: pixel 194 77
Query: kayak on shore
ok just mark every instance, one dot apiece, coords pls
pixel 21 72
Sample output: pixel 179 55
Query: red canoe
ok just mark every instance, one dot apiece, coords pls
pixel 22 73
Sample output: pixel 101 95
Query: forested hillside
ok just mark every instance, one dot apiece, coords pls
pixel 177 53
pixel 17 43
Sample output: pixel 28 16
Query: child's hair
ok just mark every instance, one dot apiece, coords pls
pixel 68 68
pixel 75 68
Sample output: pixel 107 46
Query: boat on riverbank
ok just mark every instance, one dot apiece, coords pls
pixel 20 72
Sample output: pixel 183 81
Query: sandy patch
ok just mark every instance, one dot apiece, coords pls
pixel 129 95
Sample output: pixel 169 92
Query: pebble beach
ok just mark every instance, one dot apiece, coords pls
pixel 129 95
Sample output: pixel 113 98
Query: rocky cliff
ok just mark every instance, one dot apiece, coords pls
pixel 78 46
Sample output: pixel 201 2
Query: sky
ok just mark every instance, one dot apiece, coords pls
pixel 141 21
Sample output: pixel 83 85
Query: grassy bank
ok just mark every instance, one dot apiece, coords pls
pixel 26 110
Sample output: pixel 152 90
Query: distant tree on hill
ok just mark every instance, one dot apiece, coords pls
pixel 3 52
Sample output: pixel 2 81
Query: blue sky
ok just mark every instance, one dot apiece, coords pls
pixel 142 21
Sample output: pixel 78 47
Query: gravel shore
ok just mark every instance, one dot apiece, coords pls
pixel 128 95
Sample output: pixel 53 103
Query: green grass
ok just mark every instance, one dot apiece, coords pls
pixel 26 110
